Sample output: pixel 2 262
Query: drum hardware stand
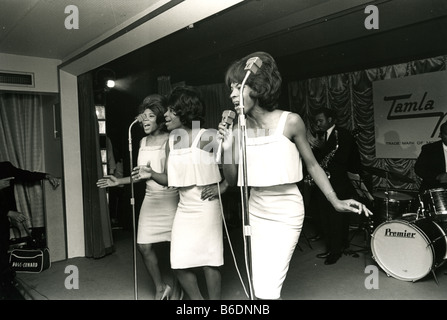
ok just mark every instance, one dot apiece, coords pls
pixel 366 228
pixel 434 276
pixel 436 266
pixel 307 240
pixel 387 194
pixel 366 224
pixel 421 208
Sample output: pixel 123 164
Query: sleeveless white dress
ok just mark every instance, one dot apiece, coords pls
pixel 197 238
pixel 159 203
pixel 276 208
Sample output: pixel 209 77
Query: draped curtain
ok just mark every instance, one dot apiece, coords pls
pixel 98 231
pixel 351 96
pixel 216 98
pixel 21 144
pixel 164 85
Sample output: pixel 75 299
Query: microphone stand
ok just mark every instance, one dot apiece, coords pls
pixel 387 194
pixel 132 203
pixel 245 211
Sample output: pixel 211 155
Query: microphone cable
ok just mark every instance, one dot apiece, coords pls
pixel 229 241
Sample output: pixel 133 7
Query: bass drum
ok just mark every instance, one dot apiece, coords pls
pixel 409 248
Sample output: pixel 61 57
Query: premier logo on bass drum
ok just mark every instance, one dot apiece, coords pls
pixel 400 234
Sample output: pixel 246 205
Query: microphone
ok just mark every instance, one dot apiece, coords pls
pixel 138 118
pixel 253 64
pixel 228 117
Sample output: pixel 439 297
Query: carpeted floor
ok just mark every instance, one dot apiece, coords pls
pixel 351 278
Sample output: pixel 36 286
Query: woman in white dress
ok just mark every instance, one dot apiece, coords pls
pixel 160 202
pixel 276 143
pixel 197 239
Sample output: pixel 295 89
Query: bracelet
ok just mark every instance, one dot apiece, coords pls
pixel 327 194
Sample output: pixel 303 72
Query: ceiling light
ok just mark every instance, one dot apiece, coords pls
pixel 110 83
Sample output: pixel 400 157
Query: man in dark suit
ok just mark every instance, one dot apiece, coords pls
pixel 338 155
pixel 8 212
pixel 431 163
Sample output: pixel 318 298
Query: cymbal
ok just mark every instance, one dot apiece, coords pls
pixel 388 174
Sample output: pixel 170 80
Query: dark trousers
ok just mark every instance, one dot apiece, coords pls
pixel 6 274
pixel 333 224
pixel 4 245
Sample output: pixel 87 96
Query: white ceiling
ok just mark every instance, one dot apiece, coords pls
pixel 37 28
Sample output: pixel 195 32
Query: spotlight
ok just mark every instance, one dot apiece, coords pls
pixel 104 79
pixel 110 83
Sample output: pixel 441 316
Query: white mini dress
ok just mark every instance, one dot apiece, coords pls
pixel 197 238
pixel 159 203
pixel 276 208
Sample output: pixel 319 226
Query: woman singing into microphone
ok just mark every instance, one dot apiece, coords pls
pixel 160 203
pixel 276 143
pixel 197 240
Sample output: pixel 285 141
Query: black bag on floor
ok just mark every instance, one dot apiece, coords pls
pixel 28 256
pixel 29 260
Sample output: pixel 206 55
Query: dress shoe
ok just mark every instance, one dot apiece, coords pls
pixel 315 238
pixel 332 258
pixel 323 255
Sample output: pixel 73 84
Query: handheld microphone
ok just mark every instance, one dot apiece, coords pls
pixel 228 117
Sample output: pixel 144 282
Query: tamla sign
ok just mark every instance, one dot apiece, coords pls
pixel 408 112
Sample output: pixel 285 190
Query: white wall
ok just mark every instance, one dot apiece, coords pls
pixel 168 22
pixel 45 72
pixel 71 149
pixel 55 76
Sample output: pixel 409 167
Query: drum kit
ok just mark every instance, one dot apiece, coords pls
pixel 408 244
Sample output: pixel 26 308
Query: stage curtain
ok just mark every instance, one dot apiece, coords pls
pixel 164 85
pixel 216 98
pixel 21 144
pixel 350 95
pixel 98 230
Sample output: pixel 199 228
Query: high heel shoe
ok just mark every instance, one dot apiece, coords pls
pixel 167 293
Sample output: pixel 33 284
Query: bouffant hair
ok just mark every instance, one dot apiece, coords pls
pixel 187 104
pixel 157 103
pixel 265 82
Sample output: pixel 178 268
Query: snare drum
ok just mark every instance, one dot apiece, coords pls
pixel 398 204
pixel 436 202
pixel 409 248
